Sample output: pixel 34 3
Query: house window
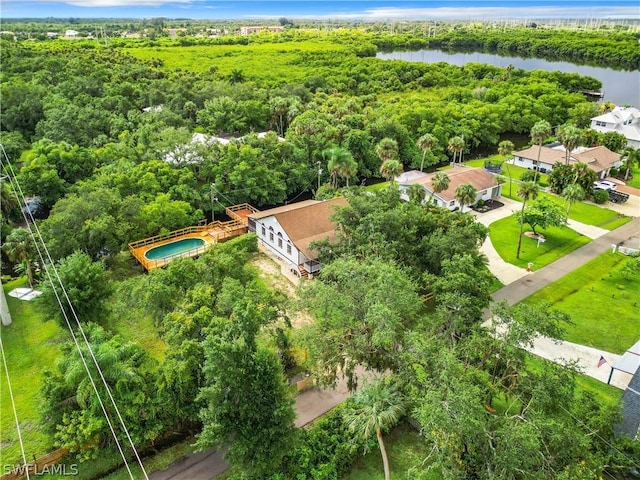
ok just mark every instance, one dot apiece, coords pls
pixel 288 248
pixel 451 203
pixel 264 231
pixel 279 240
pixel 271 234
pixel 601 124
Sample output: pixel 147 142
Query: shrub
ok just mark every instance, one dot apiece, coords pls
pixel 324 452
pixel 529 175
pixel 600 196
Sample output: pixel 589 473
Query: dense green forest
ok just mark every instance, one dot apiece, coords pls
pixel 103 133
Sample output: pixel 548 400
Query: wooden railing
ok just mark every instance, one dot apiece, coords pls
pixel 148 264
pixel 216 230
pixel 167 236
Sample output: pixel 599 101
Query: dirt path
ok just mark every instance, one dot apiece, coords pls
pixel 271 272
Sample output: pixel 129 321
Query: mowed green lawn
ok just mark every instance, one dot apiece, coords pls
pixel 604 306
pixel 580 212
pixel 31 344
pixel 559 242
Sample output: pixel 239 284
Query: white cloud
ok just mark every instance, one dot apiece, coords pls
pixel 465 13
pixel 119 3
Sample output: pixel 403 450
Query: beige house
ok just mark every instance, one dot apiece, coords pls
pixel 288 231
pixel 484 183
pixel 599 159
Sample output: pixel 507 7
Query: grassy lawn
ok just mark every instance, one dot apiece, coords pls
pixel 601 302
pixel 376 186
pixel 581 212
pixel 605 393
pixel 405 449
pixel 635 181
pixel 560 241
pixel 31 343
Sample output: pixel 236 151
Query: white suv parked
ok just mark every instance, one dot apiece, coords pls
pixel 605 185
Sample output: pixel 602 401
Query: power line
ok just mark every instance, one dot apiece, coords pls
pixel 20 195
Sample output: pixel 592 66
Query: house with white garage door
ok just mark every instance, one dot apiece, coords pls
pixel 288 231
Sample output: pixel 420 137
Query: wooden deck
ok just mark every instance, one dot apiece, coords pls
pixel 211 233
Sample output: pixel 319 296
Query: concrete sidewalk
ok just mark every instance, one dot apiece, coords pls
pixel 522 288
pixel 586 358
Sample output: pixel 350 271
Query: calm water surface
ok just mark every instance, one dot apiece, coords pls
pixel 619 86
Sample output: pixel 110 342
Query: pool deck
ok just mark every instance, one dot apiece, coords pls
pixel 211 233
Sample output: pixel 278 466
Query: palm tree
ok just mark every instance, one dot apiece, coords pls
pixel 348 168
pixel 539 133
pixel 572 193
pixel 416 193
pixel 387 149
pixel 465 195
pixel 425 143
pixel 570 136
pixel 8 199
pixel 19 247
pixel 340 163
pixel 505 148
pixel 376 408
pixel 390 169
pixel 456 145
pixel 631 158
pixel 527 191
pixel 236 76
pixel 439 183
pixel 607 106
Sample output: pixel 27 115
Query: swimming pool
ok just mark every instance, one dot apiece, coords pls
pixel 173 249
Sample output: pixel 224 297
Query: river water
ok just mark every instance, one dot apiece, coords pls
pixel 620 86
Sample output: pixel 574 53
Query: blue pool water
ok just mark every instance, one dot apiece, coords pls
pixel 174 248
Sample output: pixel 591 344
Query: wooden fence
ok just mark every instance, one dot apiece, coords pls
pixel 40 465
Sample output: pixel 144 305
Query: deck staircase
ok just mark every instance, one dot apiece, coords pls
pixel 303 272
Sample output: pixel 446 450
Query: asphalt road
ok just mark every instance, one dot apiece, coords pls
pixel 205 465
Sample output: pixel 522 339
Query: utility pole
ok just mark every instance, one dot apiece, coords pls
pixel 319 173
pixel 5 314
pixel 212 193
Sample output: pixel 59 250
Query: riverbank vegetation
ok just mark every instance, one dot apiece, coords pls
pixel 134 138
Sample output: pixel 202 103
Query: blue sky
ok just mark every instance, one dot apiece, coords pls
pixel 363 9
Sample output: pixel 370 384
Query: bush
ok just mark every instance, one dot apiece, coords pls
pixel 325 452
pixel 529 175
pixel 600 196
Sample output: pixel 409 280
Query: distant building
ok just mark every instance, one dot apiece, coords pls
pixel 173 32
pixel 599 159
pixel 71 33
pixel 52 34
pixel 485 184
pixel 260 28
pixel 622 120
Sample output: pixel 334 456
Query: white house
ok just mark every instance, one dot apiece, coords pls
pixel 599 159
pixel 289 230
pixel 623 120
pixel 484 183
pixel 71 33
pixel 259 28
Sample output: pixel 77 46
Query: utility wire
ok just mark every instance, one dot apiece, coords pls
pixel 13 405
pixel 19 192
